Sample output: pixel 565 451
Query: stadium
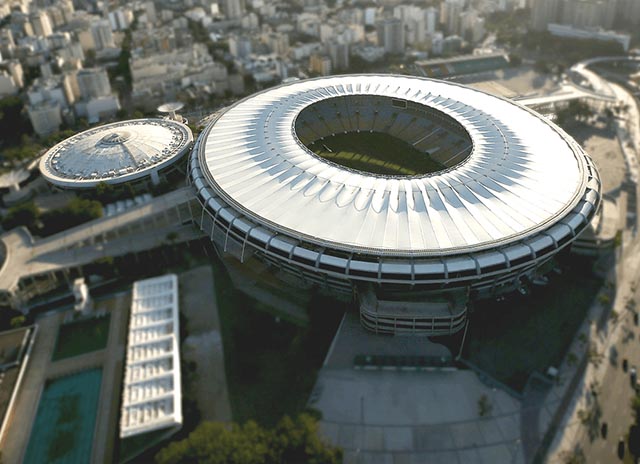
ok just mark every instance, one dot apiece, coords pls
pixel 409 195
pixel 136 151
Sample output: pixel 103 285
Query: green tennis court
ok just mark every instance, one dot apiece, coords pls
pixel 63 428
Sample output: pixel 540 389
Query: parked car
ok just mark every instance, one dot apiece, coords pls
pixel 621 447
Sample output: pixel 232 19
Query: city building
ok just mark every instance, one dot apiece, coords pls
pixel 40 23
pixel 391 35
pixel 233 9
pixel 102 35
pixel 544 12
pixel 7 84
pixel 45 117
pixel 510 192
pixel 137 150
pixel 588 13
pixel 562 30
pixel 339 54
pixel 320 64
pixel 93 83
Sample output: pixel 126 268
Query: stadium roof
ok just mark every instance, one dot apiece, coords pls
pixel 152 397
pixel 115 153
pixel 524 174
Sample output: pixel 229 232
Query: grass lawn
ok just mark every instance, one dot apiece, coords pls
pixel 81 337
pixel 376 153
pixel 513 338
pixel 271 366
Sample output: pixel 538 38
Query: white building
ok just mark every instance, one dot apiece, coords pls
pixel 40 23
pixel 138 150
pixel 102 35
pixel 121 18
pixel 93 83
pixel 7 84
pixel 151 395
pixel 45 117
pixel 233 9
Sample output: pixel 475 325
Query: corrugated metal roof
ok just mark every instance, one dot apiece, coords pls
pixel 117 152
pixel 523 174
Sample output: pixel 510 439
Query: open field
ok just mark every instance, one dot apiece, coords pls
pixel 376 153
pixel 81 337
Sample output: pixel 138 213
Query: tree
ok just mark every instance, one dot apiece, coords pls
pixel 26 214
pixel 515 60
pixel 13 123
pixel 635 407
pixel 291 441
pixel 17 322
pixel 78 211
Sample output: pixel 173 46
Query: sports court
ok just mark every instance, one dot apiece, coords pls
pixel 64 426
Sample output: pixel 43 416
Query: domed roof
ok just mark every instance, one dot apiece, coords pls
pixel 115 153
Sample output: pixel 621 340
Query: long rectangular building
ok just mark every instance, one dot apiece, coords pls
pixel 152 398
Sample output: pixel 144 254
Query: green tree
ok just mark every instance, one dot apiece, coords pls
pixel 635 407
pixel 17 322
pixel 291 441
pixel 78 211
pixel 13 122
pixel 26 214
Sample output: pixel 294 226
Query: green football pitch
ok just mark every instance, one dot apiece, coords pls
pixel 376 153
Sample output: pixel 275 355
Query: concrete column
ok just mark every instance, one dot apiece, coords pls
pixel 155 177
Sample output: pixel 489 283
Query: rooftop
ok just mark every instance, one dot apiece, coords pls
pixel 522 176
pixel 115 153
pixel 152 392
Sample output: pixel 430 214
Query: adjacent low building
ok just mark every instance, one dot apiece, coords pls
pixel 137 150
pixel 151 394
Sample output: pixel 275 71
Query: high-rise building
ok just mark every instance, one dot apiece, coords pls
pixel 240 46
pixel 391 35
pixel 544 12
pixel 431 19
pixel 17 73
pixel 234 9
pixel 120 19
pixel 320 64
pixel 102 35
pixel 586 14
pixel 93 83
pixel 278 43
pixel 40 23
pixel 450 11
pixel 7 84
pixel 339 54
pixel 627 12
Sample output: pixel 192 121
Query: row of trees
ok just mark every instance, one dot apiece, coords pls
pixel 290 441
pixel 76 212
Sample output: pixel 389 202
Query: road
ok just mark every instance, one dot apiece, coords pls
pixel 614 384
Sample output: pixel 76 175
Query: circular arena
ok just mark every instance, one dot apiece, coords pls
pixel 411 194
pixel 116 153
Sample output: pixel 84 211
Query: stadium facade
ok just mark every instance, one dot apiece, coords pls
pixel 506 190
